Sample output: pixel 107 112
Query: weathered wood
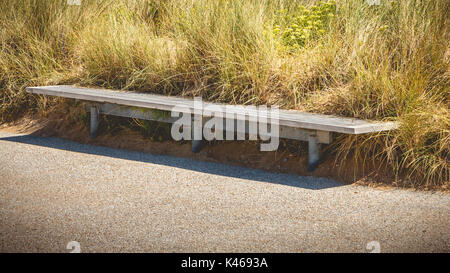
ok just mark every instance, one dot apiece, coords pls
pixel 139 113
pixel 288 118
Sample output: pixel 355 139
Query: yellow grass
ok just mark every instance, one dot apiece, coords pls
pixel 387 62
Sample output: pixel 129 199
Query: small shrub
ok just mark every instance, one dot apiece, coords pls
pixel 294 30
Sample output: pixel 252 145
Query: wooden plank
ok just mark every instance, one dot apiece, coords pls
pixel 132 112
pixel 289 118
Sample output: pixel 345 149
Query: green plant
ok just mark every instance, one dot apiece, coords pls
pixel 293 29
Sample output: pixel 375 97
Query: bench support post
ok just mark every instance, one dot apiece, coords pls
pixel 197 132
pixel 313 152
pixel 197 145
pixel 94 120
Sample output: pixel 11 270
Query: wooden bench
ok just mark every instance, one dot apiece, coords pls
pixel 314 128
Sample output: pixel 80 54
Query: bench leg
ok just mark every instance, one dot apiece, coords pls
pixel 196 133
pixel 94 121
pixel 197 145
pixel 313 153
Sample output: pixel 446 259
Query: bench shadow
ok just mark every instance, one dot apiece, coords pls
pixel 305 182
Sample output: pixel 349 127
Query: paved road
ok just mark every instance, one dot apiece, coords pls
pixel 54 191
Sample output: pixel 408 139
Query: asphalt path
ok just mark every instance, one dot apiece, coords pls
pixel 54 191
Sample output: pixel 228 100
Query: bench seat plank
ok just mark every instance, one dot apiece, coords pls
pixel 290 118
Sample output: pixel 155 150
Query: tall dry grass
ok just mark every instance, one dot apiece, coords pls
pixel 387 62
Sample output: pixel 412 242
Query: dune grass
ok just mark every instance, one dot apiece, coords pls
pixel 387 62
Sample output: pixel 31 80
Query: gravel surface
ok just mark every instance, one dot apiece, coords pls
pixel 54 191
